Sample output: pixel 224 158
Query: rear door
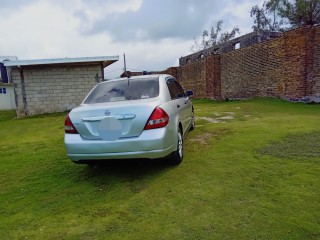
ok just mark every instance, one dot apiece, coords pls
pixel 187 107
pixel 181 101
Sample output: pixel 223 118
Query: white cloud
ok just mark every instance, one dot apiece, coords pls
pixel 239 14
pixel 45 30
pixel 91 11
pixel 235 13
pixel 154 34
pixel 149 56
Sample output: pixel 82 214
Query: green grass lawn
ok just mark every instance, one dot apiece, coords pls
pixel 251 171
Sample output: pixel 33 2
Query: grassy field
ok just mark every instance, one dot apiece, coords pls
pixel 251 171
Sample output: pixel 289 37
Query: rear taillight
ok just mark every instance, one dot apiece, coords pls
pixel 68 126
pixel 158 119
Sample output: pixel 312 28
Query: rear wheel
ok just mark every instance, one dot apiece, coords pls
pixel 177 156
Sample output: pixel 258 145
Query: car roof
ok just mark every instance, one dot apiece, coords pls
pixel 141 77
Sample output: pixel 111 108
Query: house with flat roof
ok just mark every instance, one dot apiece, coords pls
pixel 53 85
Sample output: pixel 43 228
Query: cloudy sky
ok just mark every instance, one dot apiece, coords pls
pixel 154 34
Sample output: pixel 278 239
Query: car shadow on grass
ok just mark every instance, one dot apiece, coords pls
pixel 123 169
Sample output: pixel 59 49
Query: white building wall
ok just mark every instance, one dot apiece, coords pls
pixel 7 101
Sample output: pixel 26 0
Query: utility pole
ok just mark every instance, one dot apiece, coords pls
pixel 124 62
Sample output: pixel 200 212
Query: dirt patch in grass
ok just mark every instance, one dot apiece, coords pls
pixel 204 138
pixel 209 119
pixel 218 117
pixel 295 145
pixel 226 118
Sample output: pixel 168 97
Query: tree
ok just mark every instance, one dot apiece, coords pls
pixel 215 37
pixel 274 14
pixel 301 12
pixel 267 17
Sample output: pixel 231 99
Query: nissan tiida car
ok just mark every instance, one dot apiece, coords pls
pixel 139 117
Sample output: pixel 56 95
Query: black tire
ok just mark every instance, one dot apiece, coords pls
pixel 177 156
pixel 193 123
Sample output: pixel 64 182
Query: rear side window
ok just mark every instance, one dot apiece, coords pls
pixel 124 90
pixel 175 89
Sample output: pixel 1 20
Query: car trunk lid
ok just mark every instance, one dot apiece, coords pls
pixel 112 121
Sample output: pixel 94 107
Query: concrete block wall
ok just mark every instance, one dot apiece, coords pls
pixel 45 89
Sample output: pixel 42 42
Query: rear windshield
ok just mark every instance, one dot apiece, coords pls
pixel 123 90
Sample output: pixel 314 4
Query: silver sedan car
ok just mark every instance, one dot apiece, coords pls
pixel 139 117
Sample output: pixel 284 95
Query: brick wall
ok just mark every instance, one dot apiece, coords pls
pixel 294 67
pixel 253 71
pixel 202 77
pixel 45 89
pixel 173 71
pixel 313 77
pixel 287 67
pixel 193 77
pixel 213 76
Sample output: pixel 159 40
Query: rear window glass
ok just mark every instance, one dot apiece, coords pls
pixel 124 90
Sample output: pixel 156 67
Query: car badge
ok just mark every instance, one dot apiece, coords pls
pixel 107 112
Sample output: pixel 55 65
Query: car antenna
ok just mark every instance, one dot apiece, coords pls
pixel 125 67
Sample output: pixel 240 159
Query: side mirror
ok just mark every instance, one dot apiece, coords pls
pixel 189 93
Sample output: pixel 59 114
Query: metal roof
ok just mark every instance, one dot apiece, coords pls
pixel 105 60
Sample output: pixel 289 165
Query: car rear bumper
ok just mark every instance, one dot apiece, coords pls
pixel 156 143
